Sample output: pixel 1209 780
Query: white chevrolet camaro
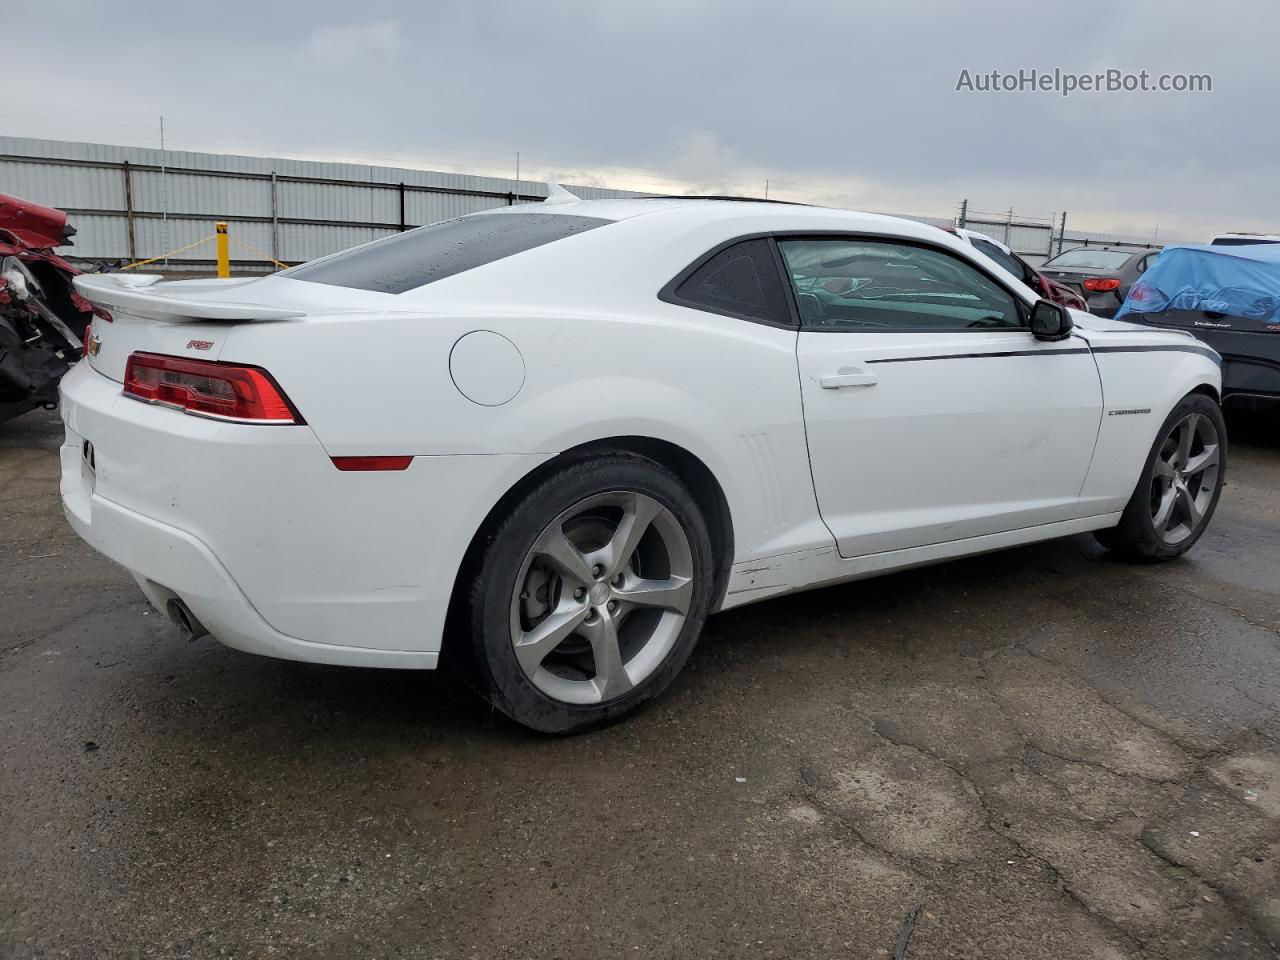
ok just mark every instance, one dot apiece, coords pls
pixel 549 440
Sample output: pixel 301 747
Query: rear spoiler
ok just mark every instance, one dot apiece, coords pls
pixel 133 293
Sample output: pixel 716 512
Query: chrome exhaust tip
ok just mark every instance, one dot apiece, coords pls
pixel 187 622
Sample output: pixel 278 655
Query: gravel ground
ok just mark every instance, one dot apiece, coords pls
pixel 1055 754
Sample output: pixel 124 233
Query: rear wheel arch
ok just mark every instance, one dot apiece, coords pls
pixel 702 484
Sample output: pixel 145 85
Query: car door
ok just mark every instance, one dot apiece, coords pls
pixel 932 414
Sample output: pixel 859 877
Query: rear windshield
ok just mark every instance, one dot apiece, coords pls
pixel 409 260
pixel 1087 259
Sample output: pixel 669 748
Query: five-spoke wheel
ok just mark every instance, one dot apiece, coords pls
pixel 591 594
pixel 601 597
pixel 1185 477
pixel 1180 484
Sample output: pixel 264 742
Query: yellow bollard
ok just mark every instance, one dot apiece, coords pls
pixel 224 254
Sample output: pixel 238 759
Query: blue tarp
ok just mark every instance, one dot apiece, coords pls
pixel 1240 281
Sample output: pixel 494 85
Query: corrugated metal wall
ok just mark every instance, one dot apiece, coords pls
pixel 132 203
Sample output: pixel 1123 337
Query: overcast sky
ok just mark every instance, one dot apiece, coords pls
pixel 847 103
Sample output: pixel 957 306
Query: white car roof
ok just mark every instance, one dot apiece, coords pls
pixel 715 210
pixel 657 237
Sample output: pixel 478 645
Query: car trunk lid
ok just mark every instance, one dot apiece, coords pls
pixel 181 318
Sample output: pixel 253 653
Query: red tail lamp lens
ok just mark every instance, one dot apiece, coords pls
pixel 372 463
pixel 1101 284
pixel 224 391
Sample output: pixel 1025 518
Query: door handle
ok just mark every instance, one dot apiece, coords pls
pixel 847 377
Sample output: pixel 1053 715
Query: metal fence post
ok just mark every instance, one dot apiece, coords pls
pixel 275 218
pixel 964 213
pixel 1062 231
pixel 128 209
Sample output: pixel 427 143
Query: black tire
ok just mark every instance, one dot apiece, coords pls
pixel 501 678
pixel 1136 537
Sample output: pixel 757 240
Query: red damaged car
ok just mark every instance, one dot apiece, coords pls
pixel 40 312
pixel 1033 278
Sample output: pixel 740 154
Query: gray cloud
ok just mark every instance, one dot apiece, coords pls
pixel 841 102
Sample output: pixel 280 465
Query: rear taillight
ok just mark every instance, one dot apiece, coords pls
pixel 223 391
pixel 1101 284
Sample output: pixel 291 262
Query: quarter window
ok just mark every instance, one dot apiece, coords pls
pixel 739 281
pixel 886 285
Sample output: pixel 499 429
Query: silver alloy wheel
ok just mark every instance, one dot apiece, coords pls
pixel 601 597
pixel 1184 478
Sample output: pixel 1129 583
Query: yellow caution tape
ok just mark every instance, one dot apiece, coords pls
pixel 139 263
pixel 252 248
pixel 190 246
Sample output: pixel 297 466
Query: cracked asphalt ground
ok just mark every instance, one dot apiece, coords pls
pixel 1056 754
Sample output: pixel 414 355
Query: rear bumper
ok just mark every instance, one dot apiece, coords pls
pixel 169 564
pixel 1102 304
pixel 272 548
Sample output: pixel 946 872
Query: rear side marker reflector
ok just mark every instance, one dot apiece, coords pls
pixel 372 463
pixel 221 391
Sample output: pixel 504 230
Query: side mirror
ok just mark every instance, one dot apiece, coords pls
pixel 1050 321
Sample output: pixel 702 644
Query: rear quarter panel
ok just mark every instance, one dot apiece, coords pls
pixel 725 390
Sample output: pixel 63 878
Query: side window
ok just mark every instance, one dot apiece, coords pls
pixel 739 281
pixel 1000 257
pixel 889 285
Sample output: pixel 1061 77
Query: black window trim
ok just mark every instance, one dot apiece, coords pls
pixel 668 292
